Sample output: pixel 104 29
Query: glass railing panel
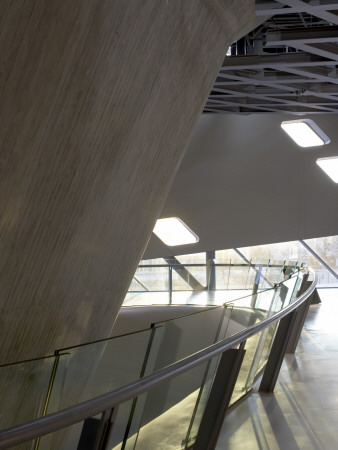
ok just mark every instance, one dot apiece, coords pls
pixel 181 337
pixel 150 285
pixel 186 335
pixel 289 289
pixel 206 386
pixel 262 266
pixel 263 351
pixel 242 386
pixel 201 401
pixel 276 271
pixel 29 390
pixel 299 279
pixel 263 300
pixel 252 277
pixel 265 339
pixel 239 274
pixel 166 427
pixel 327 249
pixel 223 276
pixel 257 347
pixel 291 267
pixel 204 284
pixel 189 277
pixel 199 273
pixel 273 274
pixel 153 279
pixel 100 367
pixel 80 436
pixel 136 285
pixel 245 313
pixel 138 404
pixel 54 395
pixel 180 284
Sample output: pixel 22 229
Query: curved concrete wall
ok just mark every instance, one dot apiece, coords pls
pixel 98 100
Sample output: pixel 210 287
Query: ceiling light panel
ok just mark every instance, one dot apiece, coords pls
pixel 305 132
pixel 173 231
pixel 330 166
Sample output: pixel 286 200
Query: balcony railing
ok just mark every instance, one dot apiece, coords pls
pixel 170 383
pixel 210 283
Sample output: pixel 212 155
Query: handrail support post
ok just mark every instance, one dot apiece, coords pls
pixel 105 429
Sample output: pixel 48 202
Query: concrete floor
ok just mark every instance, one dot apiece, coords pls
pixel 213 298
pixel 301 414
pixel 303 411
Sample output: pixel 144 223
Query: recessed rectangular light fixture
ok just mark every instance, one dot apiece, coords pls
pixel 330 166
pixel 173 231
pixel 305 132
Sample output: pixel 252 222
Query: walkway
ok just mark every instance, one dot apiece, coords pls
pixel 303 412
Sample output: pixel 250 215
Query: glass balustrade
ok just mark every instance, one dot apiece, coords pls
pixel 203 284
pixel 170 414
pixel 29 390
pixel 98 368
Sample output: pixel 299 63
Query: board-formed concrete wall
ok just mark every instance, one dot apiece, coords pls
pixel 98 99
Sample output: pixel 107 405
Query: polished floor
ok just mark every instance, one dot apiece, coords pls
pixel 213 298
pixel 303 411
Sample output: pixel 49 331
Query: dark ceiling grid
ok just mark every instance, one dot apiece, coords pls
pixel 288 64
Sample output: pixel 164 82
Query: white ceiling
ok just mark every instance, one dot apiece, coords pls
pixel 244 182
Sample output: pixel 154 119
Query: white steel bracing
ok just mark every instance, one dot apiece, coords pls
pixel 288 64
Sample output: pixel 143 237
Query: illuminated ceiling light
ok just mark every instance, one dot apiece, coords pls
pixel 330 166
pixel 305 132
pixel 172 231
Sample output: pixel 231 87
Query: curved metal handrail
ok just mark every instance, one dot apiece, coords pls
pixel 74 414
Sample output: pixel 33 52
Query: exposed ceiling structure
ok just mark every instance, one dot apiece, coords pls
pixel 288 64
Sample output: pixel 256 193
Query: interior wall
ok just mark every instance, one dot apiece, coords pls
pixel 98 102
pixel 244 182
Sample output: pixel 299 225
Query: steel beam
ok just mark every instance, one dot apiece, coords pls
pixel 305 35
pixel 319 259
pixel 273 8
pixel 184 273
pixel 308 8
pixel 261 61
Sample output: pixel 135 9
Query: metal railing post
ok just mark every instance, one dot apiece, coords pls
pixel 170 285
pixel 96 433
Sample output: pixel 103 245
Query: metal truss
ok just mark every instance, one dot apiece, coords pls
pixel 287 64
